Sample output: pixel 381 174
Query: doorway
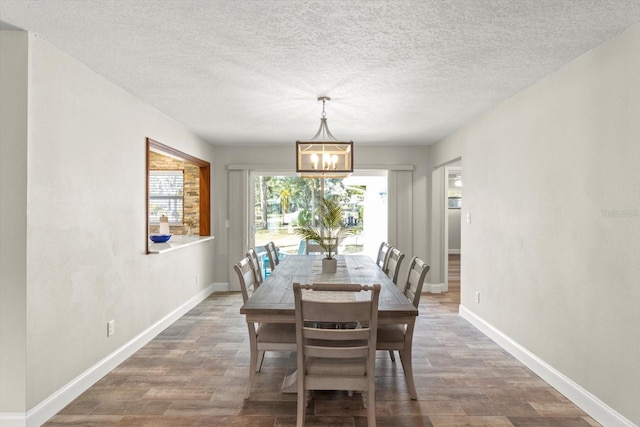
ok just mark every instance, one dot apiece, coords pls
pixel 452 229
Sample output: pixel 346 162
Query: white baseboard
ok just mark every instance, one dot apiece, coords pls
pixel 220 287
pixel 434 288
pixel 589 403
pixel 13 419
pixel 50 406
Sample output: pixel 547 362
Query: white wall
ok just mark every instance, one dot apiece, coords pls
pixel 283 158
pixel 85 230
pixel 13 219
pixel 551 180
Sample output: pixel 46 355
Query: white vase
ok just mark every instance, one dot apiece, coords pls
pixel 329 265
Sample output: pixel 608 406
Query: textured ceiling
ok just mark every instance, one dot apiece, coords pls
pixel 249 72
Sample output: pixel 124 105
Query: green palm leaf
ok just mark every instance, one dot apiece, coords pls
pixel 329 226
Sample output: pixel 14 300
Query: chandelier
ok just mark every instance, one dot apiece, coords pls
pixel 324 155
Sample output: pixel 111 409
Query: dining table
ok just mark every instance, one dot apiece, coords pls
pixel 273 300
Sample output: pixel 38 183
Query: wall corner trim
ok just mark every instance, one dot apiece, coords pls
pixel 50 406
pixel 589 403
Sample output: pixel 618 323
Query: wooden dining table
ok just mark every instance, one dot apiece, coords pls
pixel 273 301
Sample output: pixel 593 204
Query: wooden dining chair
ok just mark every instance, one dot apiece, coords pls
pixel 255 266
pixel 394 259
pixel 399 337
pixel 336 359
pixel 312 247
pixel 383 255
pixel 272 253
pixel 263 336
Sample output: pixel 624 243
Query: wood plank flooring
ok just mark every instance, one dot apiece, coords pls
pixel 454 269
pixel 453 295
pixel 194 374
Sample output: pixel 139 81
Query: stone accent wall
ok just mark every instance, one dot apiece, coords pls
pixel 192 197
pixel 191 192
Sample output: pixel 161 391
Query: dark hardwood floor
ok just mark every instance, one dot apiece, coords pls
pixel 453 295
pixel 194 374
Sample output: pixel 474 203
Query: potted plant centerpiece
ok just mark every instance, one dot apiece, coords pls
pixel 327 233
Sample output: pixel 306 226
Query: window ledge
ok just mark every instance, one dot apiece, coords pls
pixel 177 242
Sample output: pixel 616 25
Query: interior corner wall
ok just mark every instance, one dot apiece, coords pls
pixel 13 220
pixel 551 184
pixel 86 232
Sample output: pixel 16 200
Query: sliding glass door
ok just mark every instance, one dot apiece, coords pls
pixel 281 202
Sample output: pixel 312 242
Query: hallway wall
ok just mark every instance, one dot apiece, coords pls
pixel 553 247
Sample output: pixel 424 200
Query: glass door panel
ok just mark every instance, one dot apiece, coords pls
pixel 281 203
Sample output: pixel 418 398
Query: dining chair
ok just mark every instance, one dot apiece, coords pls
pixel 399 337
pixel 263 336
pixel 313 247
pixel 383 255
pixel 272 253
pixel 394 259
pixel 255 266
pixel 336 359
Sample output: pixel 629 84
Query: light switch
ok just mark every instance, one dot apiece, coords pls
pixel 468 218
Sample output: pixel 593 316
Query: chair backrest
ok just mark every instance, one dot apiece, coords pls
pixel 383 255
pixel 255 266
pixel 415 279
pixel 313 247
pixel 246 276
pixel 393 264
pixel 342 304
pixel 339 358
pixel 272 253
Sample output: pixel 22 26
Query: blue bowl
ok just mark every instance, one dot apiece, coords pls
pixel 160 238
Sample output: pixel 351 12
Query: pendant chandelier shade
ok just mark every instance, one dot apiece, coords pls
pixel 324 155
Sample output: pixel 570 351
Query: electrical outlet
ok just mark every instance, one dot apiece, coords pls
pixel 111 327
pixel 478 297
pixel 197 278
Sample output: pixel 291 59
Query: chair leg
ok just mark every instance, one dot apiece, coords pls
pixel 258 364
pixel 408 374
pixel 253 352
pixel 302 407
pixel 371 411
pixel 393 358
pixel 371 403
pixel 252 372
